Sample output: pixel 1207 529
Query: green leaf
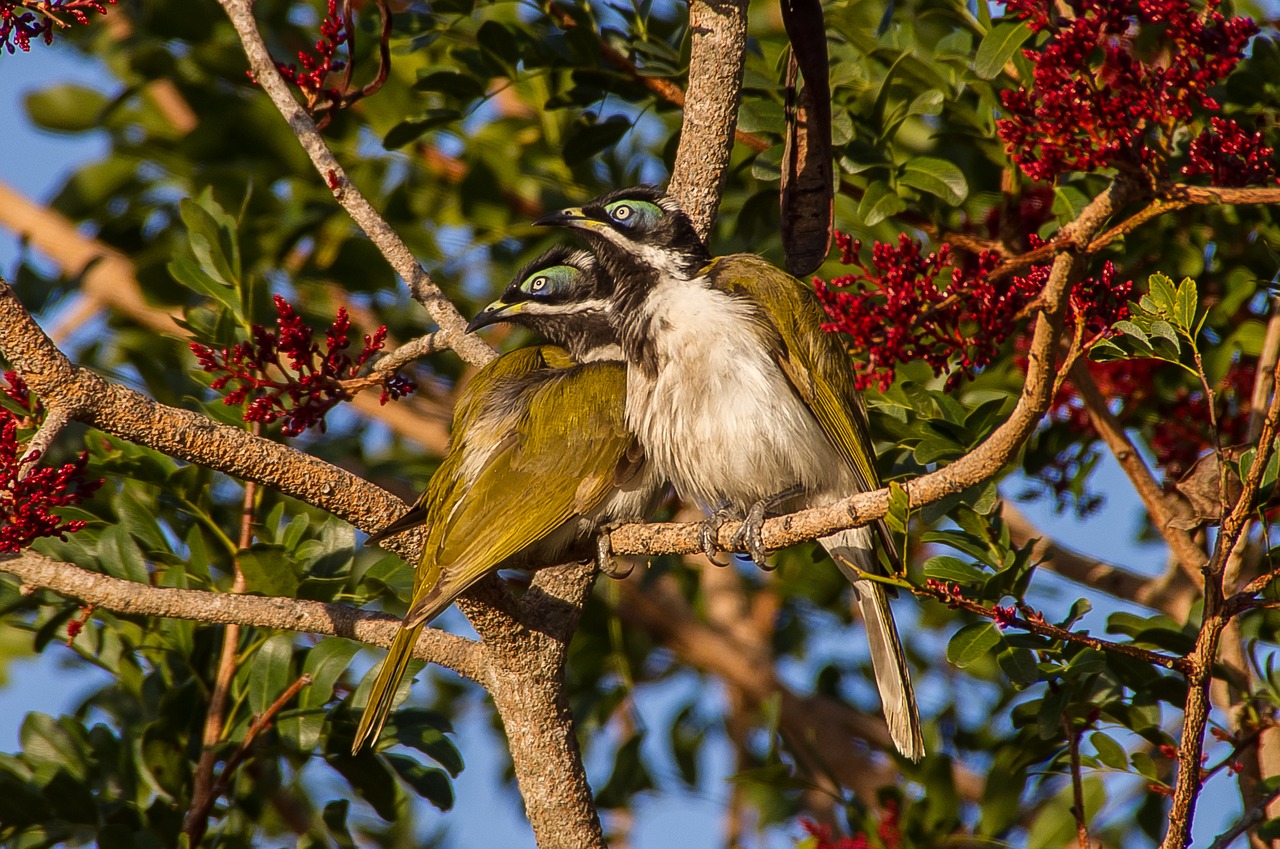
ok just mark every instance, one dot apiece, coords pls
pixel 49 746
pixel 325 663
pixel 335 820
pixel 211 237
pixel 1106 351
pixel 998 47
pixel 899 508
pixel 425 731
pixel 1019 664
pixel 499 42
pixel 372 780
pixel 1187 304
pixel 1110 752
pixel 767 166
pixel 878 203
pixel 1055 826
pixel 269 672
pixel 1163 294
pixel 429 783
pixel 952 569
pixel 67 108
pixel 462 86
pixel 586 139
pixel 120 556
pixel 268 570
pixel 629 776
pixel 973 642
pixel 937 177
pixel 1164 340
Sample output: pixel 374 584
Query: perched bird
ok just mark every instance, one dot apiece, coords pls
pixel 540 457
pixel 742 401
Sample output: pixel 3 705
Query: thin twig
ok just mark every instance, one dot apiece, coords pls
pixel 1252 817
pixel 55 419
pixel 259 725
pixel 1077 784
pixel 204 790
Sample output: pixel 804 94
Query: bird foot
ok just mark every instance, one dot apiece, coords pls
pixel 748 537
pixel 711 531
pixel 604 551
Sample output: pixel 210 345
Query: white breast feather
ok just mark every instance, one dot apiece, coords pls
pixel 721 420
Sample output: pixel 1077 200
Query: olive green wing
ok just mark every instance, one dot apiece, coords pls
pixel 813 361
pixel 557 461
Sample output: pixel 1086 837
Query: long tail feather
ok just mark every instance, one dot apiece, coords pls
pixel 852 551
pixel 383 692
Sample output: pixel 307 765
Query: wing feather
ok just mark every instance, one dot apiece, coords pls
pixel 565 439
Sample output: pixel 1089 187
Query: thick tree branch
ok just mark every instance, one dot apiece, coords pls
pixel 128 598
pixel 397 253
pixel 525 671
pixel 718 34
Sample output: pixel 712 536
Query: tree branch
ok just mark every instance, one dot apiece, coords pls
pixel 1217 615
pixel 717 57
pixel 128 598
pixel 1164 510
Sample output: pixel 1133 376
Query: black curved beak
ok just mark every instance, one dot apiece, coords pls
pixel 571 217
pixel 492 314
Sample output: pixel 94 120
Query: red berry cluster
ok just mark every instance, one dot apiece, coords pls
pixel 889 832
pixel 27 502
pixel 1097 99
pixel 24 21
pixel 1229 156
pixel 316 68
pixel 894 311
pixel 286 376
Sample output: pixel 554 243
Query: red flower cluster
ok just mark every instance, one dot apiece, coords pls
pixel 894 311
pixel 22 21
pixel 889 832
pixel 286 376
pixel 1230 156
pixel 27 502
pixel 1095 102
pixel 316 69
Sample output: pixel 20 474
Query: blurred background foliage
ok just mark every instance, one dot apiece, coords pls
pixel 492 113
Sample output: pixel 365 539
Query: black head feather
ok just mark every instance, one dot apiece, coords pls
pixel 564 295
pixel 637 230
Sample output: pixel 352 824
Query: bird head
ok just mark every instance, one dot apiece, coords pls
pixel 634 229
pixel 564 296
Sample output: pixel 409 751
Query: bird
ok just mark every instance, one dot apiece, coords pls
pixel 539 458
pixel 742 401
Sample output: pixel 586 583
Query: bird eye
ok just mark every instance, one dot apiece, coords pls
pixel 539 283
pixel 621 212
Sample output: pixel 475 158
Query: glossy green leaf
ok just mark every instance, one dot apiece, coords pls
pixel 998 46
pixel 972 642
pixel 937 177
